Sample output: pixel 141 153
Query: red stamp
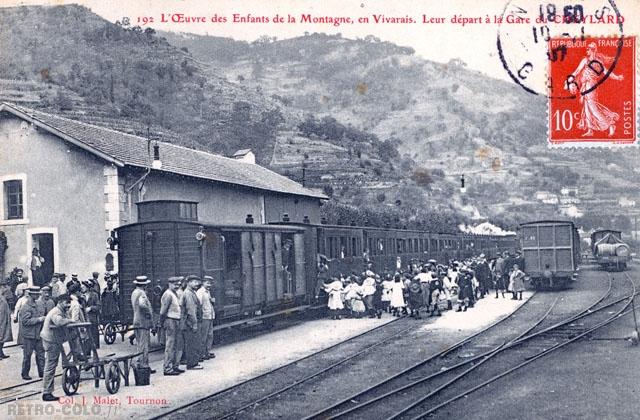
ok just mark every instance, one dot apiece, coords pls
pixel 592 91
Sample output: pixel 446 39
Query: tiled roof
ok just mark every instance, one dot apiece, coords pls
pixel 126 149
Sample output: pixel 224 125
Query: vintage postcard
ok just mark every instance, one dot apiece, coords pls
pixel 303 209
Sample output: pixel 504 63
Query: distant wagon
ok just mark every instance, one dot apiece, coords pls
pixel 551 251
pixel 609 250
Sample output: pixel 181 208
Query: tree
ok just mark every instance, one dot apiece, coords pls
pixel 422 178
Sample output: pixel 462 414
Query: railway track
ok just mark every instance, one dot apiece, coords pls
pixel 418 393
pixel 212 406
pixel 12 393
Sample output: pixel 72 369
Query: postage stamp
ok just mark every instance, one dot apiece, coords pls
pixel 592 85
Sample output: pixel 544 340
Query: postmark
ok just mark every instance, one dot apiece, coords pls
pixel 526 28
pixel 592 91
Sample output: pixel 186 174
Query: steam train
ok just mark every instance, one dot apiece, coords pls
pixel 261 271
pixel 609 250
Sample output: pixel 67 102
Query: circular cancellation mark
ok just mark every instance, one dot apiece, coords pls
pixel 526 29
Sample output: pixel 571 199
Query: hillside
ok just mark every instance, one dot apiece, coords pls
pixel 370 122
pixel 445 117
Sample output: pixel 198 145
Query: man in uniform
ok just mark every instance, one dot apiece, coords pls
pixel 142 320
pixel 53 336
pixel 31 317
pixel 170 315
pixel 109 301
pixel 93 308
pixel 193 309
pixel 206 326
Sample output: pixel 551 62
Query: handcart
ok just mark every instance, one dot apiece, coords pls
pixel 110 330
pixel 112 369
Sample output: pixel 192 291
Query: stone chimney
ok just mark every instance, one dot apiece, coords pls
pixel 245 155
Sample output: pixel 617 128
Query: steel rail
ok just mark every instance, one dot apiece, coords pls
pixel 429 377
pixel 321 413
pixel 222 391
pixel 529 360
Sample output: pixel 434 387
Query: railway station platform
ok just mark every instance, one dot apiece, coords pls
pixel 237 362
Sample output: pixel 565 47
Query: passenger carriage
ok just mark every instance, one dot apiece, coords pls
pixel 258 270
pixel 261 271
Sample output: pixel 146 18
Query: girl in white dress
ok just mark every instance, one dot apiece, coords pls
pixel 397 297
pixel 387 285
pixel 334 290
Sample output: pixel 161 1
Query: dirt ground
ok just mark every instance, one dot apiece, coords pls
pixel 595 378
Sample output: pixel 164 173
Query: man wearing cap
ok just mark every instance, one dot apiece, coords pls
pixel 92 309
pixel 17 284
pixel 22 299
pixel 109 300
pixel 31 319
pixel 6 335
pixel 193 309
pixel 44 301
pixel 170 314
pixel 53 335
pixel 142 320
pixel 96 283
pixel 180 351
pixel 76 313
pixel 205 327
pixel 57 286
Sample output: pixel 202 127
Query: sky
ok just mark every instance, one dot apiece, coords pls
pixel 473 43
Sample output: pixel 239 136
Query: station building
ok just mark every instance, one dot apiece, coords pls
pixel 66 184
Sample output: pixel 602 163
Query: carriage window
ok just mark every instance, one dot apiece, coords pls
pixel 189 211
pixel 529 236
pixel 233 265
pixel 331 247
pixel 288 263
pixel 343 247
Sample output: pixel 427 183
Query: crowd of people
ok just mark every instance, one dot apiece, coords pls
pixel 183 314
pixel 421 287
pixel 183 321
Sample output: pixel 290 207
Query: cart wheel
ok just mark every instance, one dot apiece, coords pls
pixel 112 378
pixel 109 333
pixel 70 380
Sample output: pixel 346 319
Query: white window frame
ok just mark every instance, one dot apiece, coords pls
pixel 25 198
